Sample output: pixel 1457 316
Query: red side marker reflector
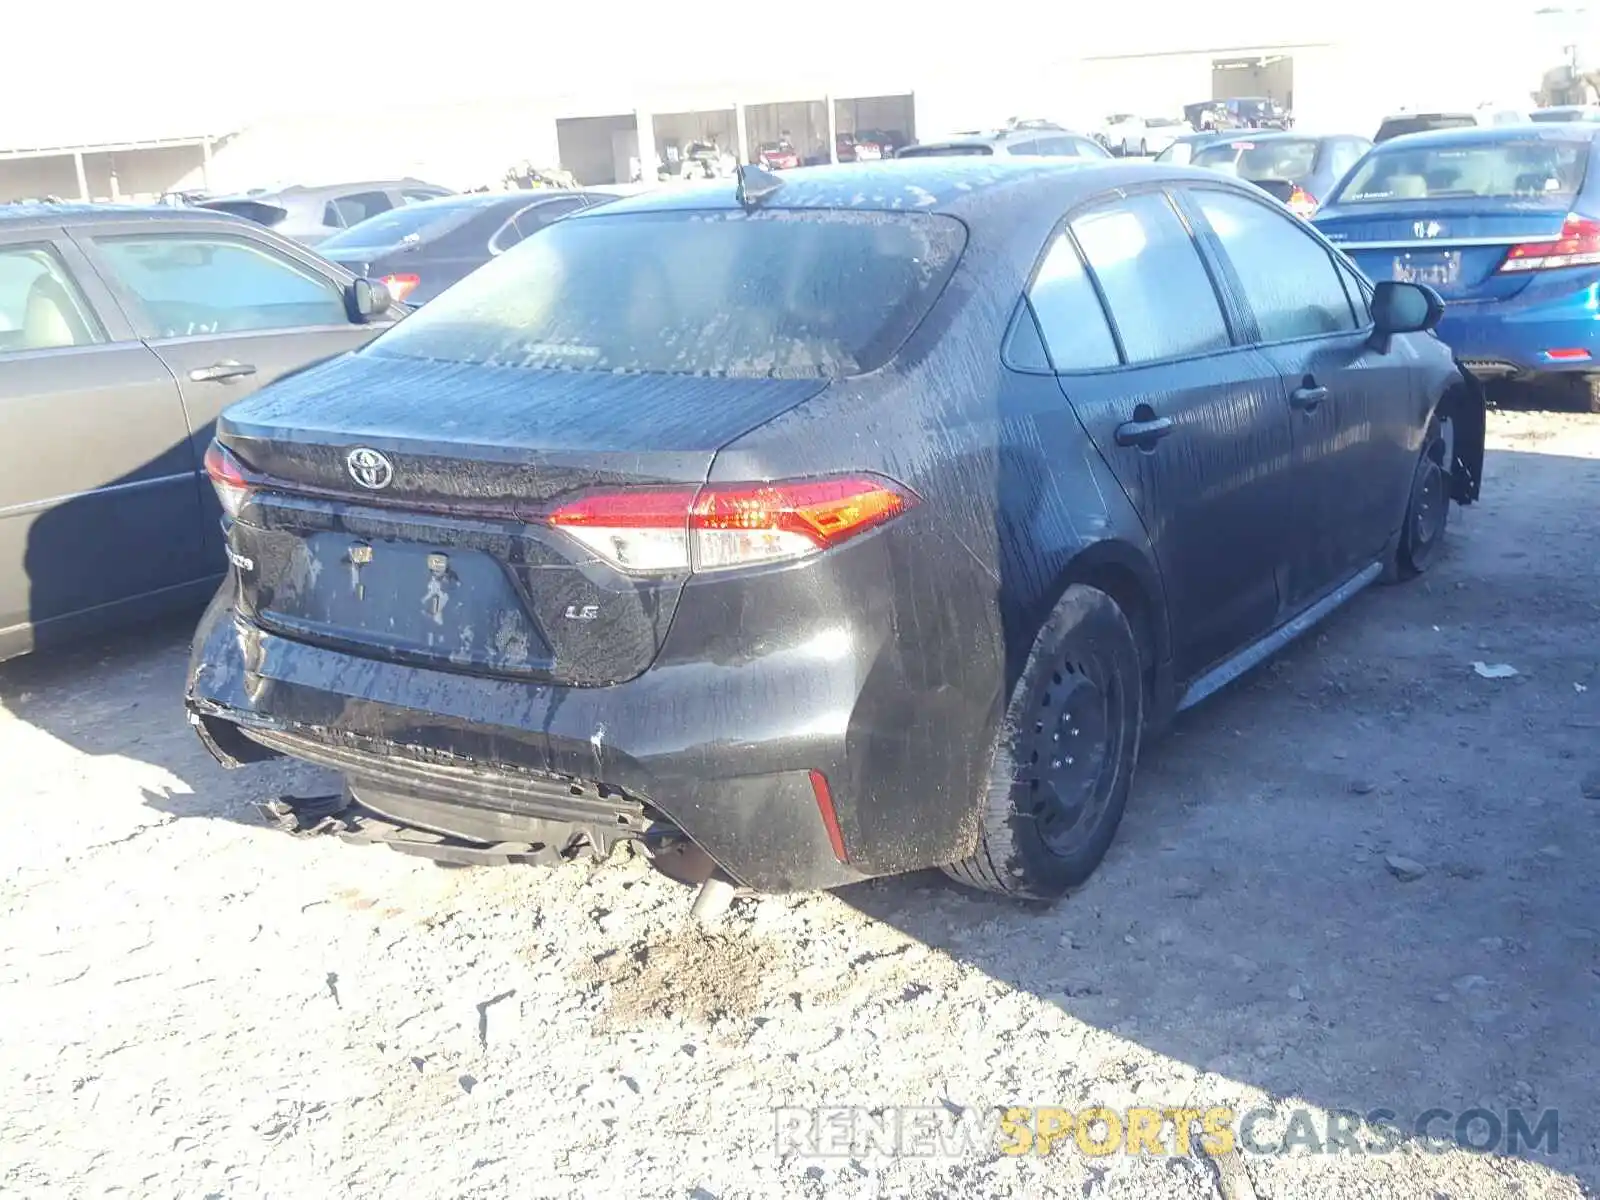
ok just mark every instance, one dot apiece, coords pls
pixel 1571 354
pixel 830 819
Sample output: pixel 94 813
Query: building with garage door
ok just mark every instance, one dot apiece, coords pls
pixel 577 85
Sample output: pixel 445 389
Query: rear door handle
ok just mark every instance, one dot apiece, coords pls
pixel 1306 399
pixel 222 372
pixel 1143 434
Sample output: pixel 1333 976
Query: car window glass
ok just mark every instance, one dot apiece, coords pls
pixel 40 307
pixel 1023 149
pixel 1360 294
pixel 192 285
pixel 358 207
pixel 1344 155
pixel 330 216
pixel 1289 278
pixel 1071 320
pixel 1154 281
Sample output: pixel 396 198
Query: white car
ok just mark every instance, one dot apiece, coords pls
pixel 1130 135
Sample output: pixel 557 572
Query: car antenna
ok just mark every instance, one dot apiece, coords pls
pixel 756 183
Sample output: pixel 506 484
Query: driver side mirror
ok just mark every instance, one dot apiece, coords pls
pixel 366 299
pixel 1402 308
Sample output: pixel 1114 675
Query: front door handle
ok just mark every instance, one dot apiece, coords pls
pixel 1307 398
pixel 1143 434
pixel 222 372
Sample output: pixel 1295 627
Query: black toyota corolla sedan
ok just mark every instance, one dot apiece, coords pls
pixel 825 525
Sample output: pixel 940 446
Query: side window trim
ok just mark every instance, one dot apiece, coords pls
pixel 1100 200
pixel 1236 286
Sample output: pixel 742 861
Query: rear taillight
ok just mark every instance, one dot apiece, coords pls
pixel 721 526
pixel 1577 245
pixel 1302 203
pixel 228 478
pixel 400 286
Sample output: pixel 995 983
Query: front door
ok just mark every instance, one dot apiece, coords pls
pixel 1191 424
pixel 227 312
pixel 1350 408
pixel 98 497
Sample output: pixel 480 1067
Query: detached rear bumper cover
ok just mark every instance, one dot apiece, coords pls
pixel 1514 336
pixel 744 797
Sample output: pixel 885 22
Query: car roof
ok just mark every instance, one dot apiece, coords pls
pixel 313 191
pixel 58 215
pixel 1475 135
pixel 961 186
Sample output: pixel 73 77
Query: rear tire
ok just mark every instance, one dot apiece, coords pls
pixel 1064 757
pixel 1144 148
pixel 1589 394
pixel 1428 507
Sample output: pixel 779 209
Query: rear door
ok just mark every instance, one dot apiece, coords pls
pixel 227 311
pixel 1192 424
pixel 1352 411
pixel 98 496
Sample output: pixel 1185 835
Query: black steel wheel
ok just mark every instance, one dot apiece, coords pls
pixel 1065 754
pixel 1428 508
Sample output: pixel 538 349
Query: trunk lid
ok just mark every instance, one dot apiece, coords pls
pixel 1456 248
pixel 398 513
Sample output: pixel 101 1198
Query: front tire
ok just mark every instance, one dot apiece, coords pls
pixel 1144 149
pixel 1064 757
pixel 1428 507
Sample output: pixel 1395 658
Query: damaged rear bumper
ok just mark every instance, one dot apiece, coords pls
pixel 720 756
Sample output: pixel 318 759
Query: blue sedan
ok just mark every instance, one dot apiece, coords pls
pixel 1504 222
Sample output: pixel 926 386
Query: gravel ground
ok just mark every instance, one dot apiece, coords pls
pixel 197 1005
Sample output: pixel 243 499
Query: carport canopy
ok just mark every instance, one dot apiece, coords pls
pixel 202 142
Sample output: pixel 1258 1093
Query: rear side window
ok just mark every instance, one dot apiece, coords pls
pixel 1071 320
pixel 775 293
pixel 1289 278
pixel 189 284
pixel 359 206
pixel 1536 168
pixel 40 306
pixel 1023 149
pixel 1154 281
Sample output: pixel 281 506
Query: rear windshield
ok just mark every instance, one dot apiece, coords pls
pixel 250 210
pixel 944 151
pixel 778 293
pixel 1528 168
pixel 1277 158
pixel 422 222
pixel 1400 126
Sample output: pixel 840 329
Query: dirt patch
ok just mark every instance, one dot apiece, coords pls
pixel 689 976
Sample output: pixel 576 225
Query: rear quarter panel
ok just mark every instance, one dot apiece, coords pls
pixel 1012 495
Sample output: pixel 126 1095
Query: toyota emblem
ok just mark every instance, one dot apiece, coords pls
pixel 369 468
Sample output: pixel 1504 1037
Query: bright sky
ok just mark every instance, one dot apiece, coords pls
pixel 133 71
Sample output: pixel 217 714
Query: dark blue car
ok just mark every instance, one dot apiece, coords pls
pixel 1504 222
